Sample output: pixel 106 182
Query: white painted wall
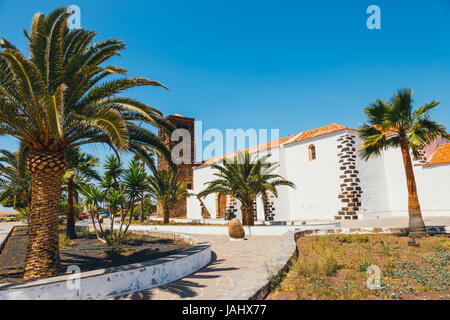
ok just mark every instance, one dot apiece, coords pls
pixel 317 182
pixel 375 200
pixel 433 187
pixel 382 180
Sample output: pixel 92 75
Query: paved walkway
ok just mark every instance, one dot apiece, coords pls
pixel 233 262
pixel 5 229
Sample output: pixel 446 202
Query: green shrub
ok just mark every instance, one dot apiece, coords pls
pixel 363 265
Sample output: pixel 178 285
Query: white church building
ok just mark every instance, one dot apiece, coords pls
pixel 333 182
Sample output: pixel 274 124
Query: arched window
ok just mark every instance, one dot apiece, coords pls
pixel 312 152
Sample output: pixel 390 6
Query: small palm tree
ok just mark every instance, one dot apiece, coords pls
pixel 80 168
pixel 393 123
pixel 166 190
pixel 57 99
pixel 245 179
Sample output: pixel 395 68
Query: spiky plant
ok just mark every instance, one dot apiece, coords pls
pixel 245 179
pixel 394 123
pixel 60 98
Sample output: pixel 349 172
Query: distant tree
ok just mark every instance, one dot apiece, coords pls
pixel 15 181
pixel 394 123
pixel 80 170
pixel 245 179
pixel 165 189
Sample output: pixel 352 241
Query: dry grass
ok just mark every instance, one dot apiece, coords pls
pixel 335 267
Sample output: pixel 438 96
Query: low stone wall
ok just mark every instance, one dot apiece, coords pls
pixel 116 281
pixel 368 230
pixel 261 230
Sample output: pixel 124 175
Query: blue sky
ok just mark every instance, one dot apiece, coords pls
pixel 289 65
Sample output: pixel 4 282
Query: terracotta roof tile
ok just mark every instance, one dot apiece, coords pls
pixel 334 127
pixel 441 155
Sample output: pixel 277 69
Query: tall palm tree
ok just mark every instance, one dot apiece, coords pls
pixel 80 167
pixel 58 99
pixel 394 123
pixel 245 179
pixel 165 189
pixel 15 181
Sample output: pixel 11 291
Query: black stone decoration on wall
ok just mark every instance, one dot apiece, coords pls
pixel 349 182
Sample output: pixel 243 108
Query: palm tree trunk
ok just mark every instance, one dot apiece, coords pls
pixel 166 215
pixel 47 169
pixel 248 218
pixel 141 213
pixel 416 224
pixel 70 229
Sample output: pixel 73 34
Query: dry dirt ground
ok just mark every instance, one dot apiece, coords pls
pixel 339 266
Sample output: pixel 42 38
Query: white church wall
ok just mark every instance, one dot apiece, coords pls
pixel 317 181
pixel 382 180
pixel 433 188
pixel 375 201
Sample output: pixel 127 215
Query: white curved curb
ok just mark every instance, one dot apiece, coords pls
pixel 116 281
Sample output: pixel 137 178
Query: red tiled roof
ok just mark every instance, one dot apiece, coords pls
pixel 441 155
pixel 286 140
pixel 334 127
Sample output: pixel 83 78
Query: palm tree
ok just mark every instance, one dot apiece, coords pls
pixel 165 189
pixel 15 181
pixel 245 179
pixel 80 168
pixel 393 123
pixel 58 99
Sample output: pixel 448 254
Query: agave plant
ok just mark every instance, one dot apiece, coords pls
pixel 94 196
pixel 60 98
pixel 393 123
pixel 245 179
